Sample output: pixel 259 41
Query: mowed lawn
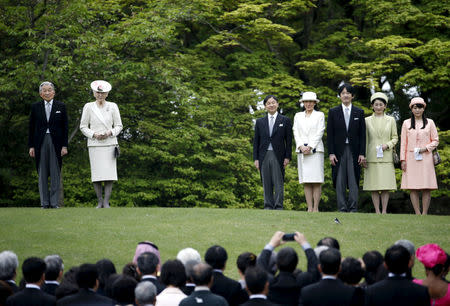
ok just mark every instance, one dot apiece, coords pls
pixel 81 235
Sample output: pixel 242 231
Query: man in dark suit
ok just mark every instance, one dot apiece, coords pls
pixel 147 267
pixel 33 270
pixel 8 267
pixel 346 140
pixel 87 280
pixel 216 256
pixel 203 279
pixel 272 151
pixel 285 287
pixel 53 273
pixel 397 289
pixel 257 283
pixel 47 142
pixel 329 291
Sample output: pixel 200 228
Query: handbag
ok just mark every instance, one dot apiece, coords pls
pixel 395 157
pixel 116 151
pixel 436 157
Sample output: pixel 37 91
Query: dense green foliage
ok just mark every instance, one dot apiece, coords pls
pixel 186 73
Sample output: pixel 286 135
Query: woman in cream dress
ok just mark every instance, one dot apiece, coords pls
pixel 101 123
pixel 419 139
pixel 308 130
pixel 381 138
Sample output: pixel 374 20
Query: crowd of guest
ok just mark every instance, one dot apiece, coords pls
pixel 270 278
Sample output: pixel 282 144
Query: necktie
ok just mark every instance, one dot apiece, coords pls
pixel 271 125
pixel 347 117
pixel 47 110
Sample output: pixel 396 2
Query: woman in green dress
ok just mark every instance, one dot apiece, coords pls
pixel 381 138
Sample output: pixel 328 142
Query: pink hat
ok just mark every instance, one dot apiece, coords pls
pixel 145 246
pixel 430 255
pixel 417 100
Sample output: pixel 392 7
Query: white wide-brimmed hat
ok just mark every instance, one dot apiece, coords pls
pixel 309 96
pixel 101 86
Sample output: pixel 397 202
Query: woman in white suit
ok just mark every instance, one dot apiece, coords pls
pixel 308 131
pixel 101 123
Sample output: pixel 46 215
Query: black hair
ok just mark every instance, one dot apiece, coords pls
pixel 351 271
pixel 32 269
pixel 379 98
pixel 173 273
pixel 130 269
pixel 123 290
pixel 255 279
pixel 268 97
pixel 287 259
pixel 413 119
pixel 329 242
pixel 372 260
pixel 147 263
pixel 87 276
pixel 348 87
pixel 216 256
pixel 202 274
pixel 397 259
pixel 105 268
pixel 245 260
pixel 330 261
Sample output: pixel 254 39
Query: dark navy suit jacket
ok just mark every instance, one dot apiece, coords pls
pixel 57 126
pixel 281 139
pixel 337 133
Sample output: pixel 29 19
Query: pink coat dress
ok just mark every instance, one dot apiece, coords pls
pixel 419 174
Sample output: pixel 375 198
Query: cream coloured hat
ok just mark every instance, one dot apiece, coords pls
pixel 379 95
pixel 101 86
pixel 309 96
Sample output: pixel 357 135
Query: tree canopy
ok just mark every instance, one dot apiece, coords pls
pixel 188 77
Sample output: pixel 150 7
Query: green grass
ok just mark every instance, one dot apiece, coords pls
pixel 82 235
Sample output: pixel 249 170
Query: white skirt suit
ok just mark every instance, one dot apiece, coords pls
pixel 309 130
pixel 101 152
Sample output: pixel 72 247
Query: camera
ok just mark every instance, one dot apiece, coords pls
pixel 288 237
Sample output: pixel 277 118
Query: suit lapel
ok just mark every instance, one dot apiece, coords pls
pixel 42 110
pixel 341 118
pixel 276 124
pixel 53 111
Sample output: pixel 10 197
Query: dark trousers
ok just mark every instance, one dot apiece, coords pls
pixel 48 167
pixel 346 178
pixel 273 182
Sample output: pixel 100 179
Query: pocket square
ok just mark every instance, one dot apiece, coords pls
pixel 355 118
pixel 281 124
pixel 57 112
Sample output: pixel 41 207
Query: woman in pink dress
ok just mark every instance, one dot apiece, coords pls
pixel 434 259
pixel 418 139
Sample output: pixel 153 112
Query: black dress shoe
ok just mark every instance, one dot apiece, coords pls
pixel 45 207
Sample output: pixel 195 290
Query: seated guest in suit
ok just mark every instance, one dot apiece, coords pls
pixel 145 294
pixel 257 284
pixel 123 290
pixel 173 276
pixel 330 290
pixel 87 281
pixel 372 262
pixel 351 273
pixel 433 257
pixel 33 270
pixel 216 256
pixel 148 268
pixel 397 289
pixel 105 268
pixel 244 261
pixel 189 257
pixel 285 287
pixel 53 273
pixel 202 295
pixel 8 267
pixel 330 242
pixel 68 285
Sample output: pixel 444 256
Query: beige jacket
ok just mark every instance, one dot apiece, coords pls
pixel 95 121
pixel 309 133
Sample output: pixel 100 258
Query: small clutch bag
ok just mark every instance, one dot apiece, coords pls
pixel 436 157
pixel 116 151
